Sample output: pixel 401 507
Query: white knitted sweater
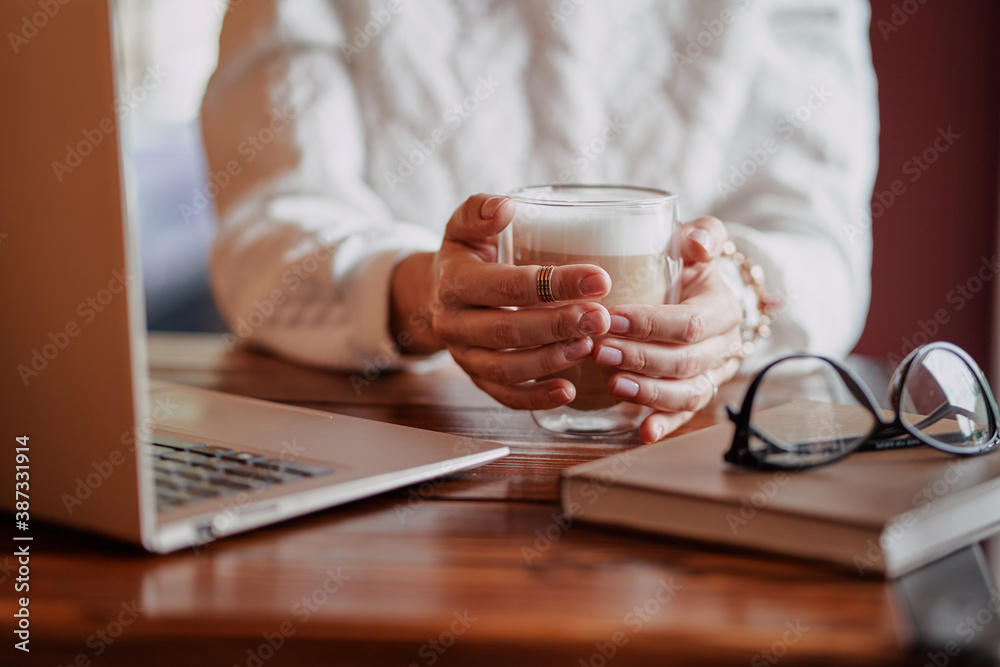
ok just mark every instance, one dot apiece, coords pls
pixel 342 135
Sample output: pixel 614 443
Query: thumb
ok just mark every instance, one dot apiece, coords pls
pixel 702 240
pixel 479 218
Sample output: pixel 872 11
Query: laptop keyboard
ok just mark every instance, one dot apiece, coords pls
pixel 188 472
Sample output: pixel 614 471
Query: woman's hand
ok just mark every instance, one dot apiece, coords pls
pixel 458 298
pixel 664 352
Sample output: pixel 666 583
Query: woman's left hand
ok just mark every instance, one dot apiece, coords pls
pixel 671 355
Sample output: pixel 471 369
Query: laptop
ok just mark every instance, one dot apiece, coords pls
pixel 89 440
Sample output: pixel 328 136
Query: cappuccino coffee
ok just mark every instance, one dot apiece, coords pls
pixel 630 233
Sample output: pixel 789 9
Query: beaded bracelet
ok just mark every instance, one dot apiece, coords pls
pixel 752 275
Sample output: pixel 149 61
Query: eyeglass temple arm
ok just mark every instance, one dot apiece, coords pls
pixel 888 437
pixel 942 411
pixel 773 447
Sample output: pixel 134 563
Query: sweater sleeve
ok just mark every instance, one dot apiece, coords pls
pixel 799 178
pixel 305 249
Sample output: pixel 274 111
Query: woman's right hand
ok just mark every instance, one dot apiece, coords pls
pixel 459 298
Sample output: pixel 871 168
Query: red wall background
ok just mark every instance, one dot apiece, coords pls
pixel 938 66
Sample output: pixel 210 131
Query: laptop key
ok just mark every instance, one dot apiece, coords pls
pixel 284 477
pixel 168 481
pixel 241 483
pixel 247 471
pixel 201 491
pixel 162 440
pixel 175 497
pixel 184 457
pixel 195 474
pixel 307 469
pixel 272 465
pixel 243 457
pixel 215 464
pixel 212 450
pixel 164 465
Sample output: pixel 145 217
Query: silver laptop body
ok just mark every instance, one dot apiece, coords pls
pixel 78 410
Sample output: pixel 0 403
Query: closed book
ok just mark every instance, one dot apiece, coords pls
pixel 879 512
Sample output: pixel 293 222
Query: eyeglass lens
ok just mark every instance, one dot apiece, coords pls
pixel 942 398
pixel 812 426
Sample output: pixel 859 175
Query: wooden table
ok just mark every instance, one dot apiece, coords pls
pixel 475 570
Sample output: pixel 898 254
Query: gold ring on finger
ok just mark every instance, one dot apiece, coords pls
pixel 543 283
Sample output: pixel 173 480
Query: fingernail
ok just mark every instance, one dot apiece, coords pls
pixel 657 432
pixel 619 324
pixel 559 396
pixel 490 206
pixel 703 238
pixel 609 356
pixel 592 323
pixel 577 349
pixel 625 388
pixel 596 284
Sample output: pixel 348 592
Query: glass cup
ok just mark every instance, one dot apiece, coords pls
pixel 631 233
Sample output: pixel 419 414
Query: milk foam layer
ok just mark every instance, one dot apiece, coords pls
pixel 592 230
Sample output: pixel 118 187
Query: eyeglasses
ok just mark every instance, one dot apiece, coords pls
pixel 939 395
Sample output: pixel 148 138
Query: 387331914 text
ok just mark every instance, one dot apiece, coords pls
pixel 22 546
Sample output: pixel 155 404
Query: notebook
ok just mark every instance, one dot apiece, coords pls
pixel 88 440
pixel 882 513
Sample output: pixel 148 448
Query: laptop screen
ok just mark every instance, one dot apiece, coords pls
pixel 73 358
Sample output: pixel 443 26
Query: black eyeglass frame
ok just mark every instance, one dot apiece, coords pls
pixel 883 435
